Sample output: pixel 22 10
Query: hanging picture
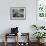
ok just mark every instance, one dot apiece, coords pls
pixel 17 13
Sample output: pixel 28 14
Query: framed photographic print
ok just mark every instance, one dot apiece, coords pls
pixel 17 13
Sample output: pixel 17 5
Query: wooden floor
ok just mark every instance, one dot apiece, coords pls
pixel 13 44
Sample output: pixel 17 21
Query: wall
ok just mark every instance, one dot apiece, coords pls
pixel 24 25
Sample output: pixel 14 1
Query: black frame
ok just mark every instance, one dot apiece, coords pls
pixel 12 18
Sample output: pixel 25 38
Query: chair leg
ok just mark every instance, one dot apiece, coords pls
pixel 5 43
pixel 5 39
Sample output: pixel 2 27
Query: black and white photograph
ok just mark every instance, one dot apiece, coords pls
pixel 17 13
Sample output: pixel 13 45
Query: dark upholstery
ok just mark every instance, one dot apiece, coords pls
pixel 14 30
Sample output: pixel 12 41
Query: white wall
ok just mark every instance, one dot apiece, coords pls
pixel 24 25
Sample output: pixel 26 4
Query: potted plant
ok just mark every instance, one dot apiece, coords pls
pixel 39 35
pixel 35 26
pixel 38 27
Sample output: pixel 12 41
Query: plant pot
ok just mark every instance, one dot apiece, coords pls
pixel 40 40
